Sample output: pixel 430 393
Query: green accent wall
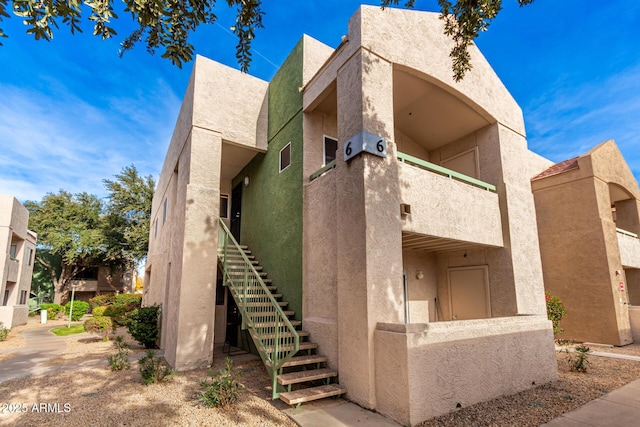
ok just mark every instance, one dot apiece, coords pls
pixel 271 221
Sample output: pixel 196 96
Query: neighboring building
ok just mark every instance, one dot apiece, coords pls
pixel 588 211
pixel 17 255
pixel 101 280
pixel 414 266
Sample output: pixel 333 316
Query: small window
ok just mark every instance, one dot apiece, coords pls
pixel 155 226
pixel 224 206
pixel 330 148
pixel 13 250
pixel 28 257
pixel 164 211
pixel 285 157
pixel 23 297
pixel 5 301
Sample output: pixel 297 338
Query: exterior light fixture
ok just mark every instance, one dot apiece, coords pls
pixel 246 181
pixel 419 275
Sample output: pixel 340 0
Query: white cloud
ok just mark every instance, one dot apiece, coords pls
pixel 57 140
pixel 566 121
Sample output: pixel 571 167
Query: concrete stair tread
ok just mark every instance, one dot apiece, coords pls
pixel 263 304
pixel 312 393
pixel 304 376
pixel 232 266
pixel 301 334
pixel 294 323
pixel 305 360
pixel 306 345
pixel 261 295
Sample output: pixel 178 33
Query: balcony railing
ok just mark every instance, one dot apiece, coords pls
pixel 422 164
pixel 325 169
pixel 626 233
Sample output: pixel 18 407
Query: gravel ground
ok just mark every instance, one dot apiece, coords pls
pixel 97 396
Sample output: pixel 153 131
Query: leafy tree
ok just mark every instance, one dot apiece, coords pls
pixel 70 227
pixel 128 217
pixel 167 24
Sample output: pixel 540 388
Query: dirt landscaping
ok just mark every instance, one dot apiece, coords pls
pixel 97 396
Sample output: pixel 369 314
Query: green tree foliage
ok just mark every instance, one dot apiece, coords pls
pixel 69 226
pixel 78 232
pixel 167 24
pixel 128 215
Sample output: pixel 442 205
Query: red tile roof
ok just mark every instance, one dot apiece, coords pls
pixel 558 168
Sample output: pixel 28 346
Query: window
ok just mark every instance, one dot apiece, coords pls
pixel 6 297
pixel 23 297
pixel 27 258
pixel 329 150
pixel 155 228
pixel 285 157
pixel 13 250
pixel 224 206
pixel 164 211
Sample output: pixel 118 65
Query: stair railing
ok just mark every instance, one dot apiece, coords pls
pixel 273 334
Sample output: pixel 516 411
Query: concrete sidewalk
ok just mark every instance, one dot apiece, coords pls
pixel 620 408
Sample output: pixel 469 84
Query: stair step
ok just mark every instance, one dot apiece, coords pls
pixel 303 346
pixel 241 267
pixel 301 334
pixel 294 323
pixel 310 359
pixel 240 273
pixel 261 295
pixel 304 376
pixel 236 256
pixel 263 304
pixel 312 393
pixel 239 246
pixel 237 262
pixel 236 279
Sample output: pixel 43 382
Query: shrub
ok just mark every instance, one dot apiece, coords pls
pixel 224 388
pixel 579 362
pixel 99 311
pixel 153 369
pixel 118 314
pixel 555 312
pixel 102 300
pixel 99 325
pixel 143 325
pixel 120 360
pixel 128 299
pixel 54 311
pixel 3 332
pixel 80 308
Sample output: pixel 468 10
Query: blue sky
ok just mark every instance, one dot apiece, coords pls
pixel 73 113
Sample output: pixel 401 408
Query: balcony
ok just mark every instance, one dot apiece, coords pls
pixel 85 285
pixel 448 206
pixel 13 268
pixel 629 245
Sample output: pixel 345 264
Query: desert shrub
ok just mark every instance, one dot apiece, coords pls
pixel 99 311
pixel 102 300
pixel 153 369
pixel 54 311
pixel 579 362
pixel 120 360
pixel 99 325
pixel 223 388
pixel 143 325
pixel 3 332
pixel 555 312
pixel 80 308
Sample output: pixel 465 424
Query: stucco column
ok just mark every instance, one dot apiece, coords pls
pixel 369 240
pixel 193 281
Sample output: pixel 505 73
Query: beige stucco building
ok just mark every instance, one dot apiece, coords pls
pixel 388 215
pixel 94 281
pixel 588 212
pixel 17 255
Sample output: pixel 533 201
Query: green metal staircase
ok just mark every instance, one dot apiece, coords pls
pixel 294 367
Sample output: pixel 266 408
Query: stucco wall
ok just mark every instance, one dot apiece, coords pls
pixel 445 207
pixel 422 292
pixel 629 250
pixel 423 371
pixel 634 320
